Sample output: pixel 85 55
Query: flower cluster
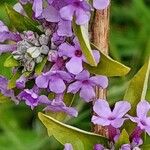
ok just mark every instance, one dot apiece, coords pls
pixel 57 49
pixel 113 120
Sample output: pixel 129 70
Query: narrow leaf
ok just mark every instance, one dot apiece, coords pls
pixel 12 81
pixel 3 98
pixel 82 35
pixel 107 66
pixel 123 139
pixel 137 87
pixel 11 62
pixel 39 68
pixel 81 140
pixel 20 22
pixel 6 72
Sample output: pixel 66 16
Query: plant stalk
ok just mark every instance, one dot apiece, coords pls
pixel 100 38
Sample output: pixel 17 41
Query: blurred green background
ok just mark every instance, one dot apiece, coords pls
pixel 20 128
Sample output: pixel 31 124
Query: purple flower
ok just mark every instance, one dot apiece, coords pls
pixel 107 117
pixel 101 4
pixel 5 91
pixel 85 84
pixel 51 14
pixel 5 34
pixel 30 97
pixel 20 83
pixel 125 147
pixel 54 80
pixel 68 146
pixel 80 8
pixel 98 147
pixel 142 120
pixel 74 65
pixel 57 105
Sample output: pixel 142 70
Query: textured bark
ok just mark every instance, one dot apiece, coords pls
pixel 100 36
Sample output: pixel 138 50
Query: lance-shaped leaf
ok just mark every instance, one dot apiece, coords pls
pixel 3 98
pixel 68 100
pixel 7 72
pixel 11 62
pixel 138 87
pixel 21 23
pixel 146 144
pixel 12 81
pixel 107 66
pixel 123 139
pixel 81 140
pixel 39 68
pixel 82 34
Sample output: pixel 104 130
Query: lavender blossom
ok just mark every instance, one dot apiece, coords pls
pixel 100 4
pixel 98 147
pixel 57 105
pixel 85 84
pixel 75 64
pixel 20 83
pixel 5 35
pixel 107 117
pixel 142 120
pixel 54 80
pixel 125 147
pixel 80 8
pixel 68 146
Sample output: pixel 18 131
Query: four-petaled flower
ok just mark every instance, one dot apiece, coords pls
pixel 107 117
pixel 85 84
pixel 80 8
pixel 142 119
pixel 54 80
pixel 75 64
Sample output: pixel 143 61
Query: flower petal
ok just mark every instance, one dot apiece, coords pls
pixel 38 7
pixel 84 75
pixel 101 107
pixel 68 146
pixel 7 48
pixel 100 121
pixel 66 50
pixel 74 87
pixel 101 4
pixel 82 17
pixel 42 81
pixel 51 14
pixel 121 108
pixel 142 109
pixel 57 85
pixel 117 123
pixel 64 28
pixel 101 81
pixel 87 93
pixel 74 66
pixel 67 12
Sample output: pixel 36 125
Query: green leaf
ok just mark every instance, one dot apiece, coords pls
pixel 81 140
pixel 28 9
pixel 123 139
pixel 11 62
pixel 12 81
pixel 137 88
pixel 107 66
pixel 61 116
pixel 3 98
pixel 20 22
pixel 39 68
pixel 6 72
pixel 82 35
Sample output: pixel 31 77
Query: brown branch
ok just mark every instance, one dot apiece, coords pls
pixel 100 35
